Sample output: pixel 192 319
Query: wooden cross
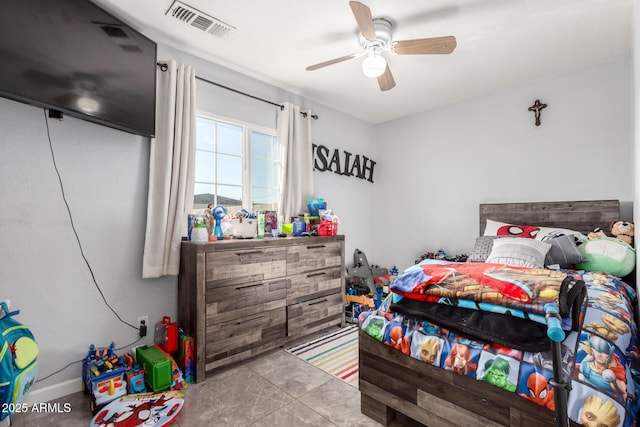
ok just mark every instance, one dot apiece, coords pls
pixel 537 108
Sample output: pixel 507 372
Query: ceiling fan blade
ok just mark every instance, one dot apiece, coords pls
pixel 364 19
pixel 386 80
pixel 331 62
pixel 433 45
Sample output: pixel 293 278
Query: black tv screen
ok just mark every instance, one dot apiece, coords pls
pixel 74 57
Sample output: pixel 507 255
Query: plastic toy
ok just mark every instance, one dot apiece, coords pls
pixel 137 410
pixel 219 212
pixel 135 376
pixel 166 335
pixel 103 376
pixel 158 370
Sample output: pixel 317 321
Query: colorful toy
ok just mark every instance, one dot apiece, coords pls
pixel 135 376
pixel 219 212
pixel 158 369
pixel 137 410
pixel 103 376
pixel 166 335
pixel 186 356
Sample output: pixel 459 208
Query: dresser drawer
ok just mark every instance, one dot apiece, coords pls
pixel 314 315
pixel 313 256
pixel 227 302
pixel 245 336
pixel 314 284
pixel 231 267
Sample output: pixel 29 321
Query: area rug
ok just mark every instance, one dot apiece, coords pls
pixel 335 352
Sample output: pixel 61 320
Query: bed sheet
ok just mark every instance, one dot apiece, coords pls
pixel 601 358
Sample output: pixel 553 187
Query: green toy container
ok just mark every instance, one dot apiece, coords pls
pixel 158 370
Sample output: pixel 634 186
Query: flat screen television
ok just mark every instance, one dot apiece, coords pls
pixel 74 57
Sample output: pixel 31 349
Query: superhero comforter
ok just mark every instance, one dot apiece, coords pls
pixel 601 357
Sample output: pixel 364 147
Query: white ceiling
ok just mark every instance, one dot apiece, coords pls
pixel 499 43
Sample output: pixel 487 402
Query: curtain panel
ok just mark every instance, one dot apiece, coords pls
pixel 294 134
pixel 171 169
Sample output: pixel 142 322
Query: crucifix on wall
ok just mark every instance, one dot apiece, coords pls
pixel 537 108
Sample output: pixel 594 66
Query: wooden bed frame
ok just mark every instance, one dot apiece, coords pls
pixel 392 383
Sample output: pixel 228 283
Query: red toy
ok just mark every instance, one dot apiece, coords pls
pixel 166 335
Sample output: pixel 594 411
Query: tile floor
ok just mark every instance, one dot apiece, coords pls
pixel 273 389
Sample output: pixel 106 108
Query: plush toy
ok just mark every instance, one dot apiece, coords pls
pixel 609 255
pixel 623 230
pixel 596 234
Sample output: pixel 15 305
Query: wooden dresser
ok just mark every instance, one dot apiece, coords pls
pixel 238 298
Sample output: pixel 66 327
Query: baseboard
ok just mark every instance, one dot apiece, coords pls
pixel 54 391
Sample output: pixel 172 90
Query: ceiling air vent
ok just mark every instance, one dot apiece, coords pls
pixel 195 18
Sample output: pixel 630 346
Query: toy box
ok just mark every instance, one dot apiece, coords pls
pixel 244 228
pixel 157 367
pixel 103 376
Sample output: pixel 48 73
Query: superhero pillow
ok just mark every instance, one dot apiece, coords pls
pixel 503 229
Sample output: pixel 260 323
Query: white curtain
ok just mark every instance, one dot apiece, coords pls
pixel 294 135
pixel 171 170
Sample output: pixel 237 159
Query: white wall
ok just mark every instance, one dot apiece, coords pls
pixel 105 175
pixel 440 165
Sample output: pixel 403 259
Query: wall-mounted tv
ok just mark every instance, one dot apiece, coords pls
pixel 72 56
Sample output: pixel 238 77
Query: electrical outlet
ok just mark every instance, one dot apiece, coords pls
pixel 143 325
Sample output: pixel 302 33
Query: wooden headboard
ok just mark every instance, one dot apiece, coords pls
pixel 583 216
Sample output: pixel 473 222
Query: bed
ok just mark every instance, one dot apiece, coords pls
pixel 396 381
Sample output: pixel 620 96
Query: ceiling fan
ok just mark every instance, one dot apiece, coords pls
pixel 375 38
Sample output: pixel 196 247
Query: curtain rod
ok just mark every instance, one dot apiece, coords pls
pixel 163 67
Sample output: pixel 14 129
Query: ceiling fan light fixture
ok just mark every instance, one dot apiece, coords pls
pixel 374 65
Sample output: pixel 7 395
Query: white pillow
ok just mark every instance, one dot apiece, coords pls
pixel 497 228
pixel 519 252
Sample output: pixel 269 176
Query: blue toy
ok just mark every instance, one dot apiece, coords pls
pixel 219 213
pixel 103 376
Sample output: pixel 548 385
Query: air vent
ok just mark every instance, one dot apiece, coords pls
pixel 199 20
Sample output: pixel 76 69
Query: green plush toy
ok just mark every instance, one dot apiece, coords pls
pixel 609 255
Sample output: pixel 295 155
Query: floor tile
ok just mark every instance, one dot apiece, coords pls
pixel 68 411
pixel 292 375
pixel 274 389
pixel 339 403
pixel 231 397
pixel 295 414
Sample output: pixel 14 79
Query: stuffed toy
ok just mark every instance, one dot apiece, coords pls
pixel 623 230
pixel 596 234
pixel 609 255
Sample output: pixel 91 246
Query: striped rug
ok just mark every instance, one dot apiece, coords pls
pixel 335 353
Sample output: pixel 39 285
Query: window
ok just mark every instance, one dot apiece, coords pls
pixel 237 165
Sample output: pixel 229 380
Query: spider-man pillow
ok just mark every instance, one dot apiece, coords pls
pixel 496 228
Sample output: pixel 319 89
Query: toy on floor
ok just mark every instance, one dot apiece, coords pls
pixel 135 376
pixel 138 410
pixel 103 376
pixel 186 356
pixel 365 272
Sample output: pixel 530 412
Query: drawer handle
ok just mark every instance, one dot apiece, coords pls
pixel 317 274
pixel 249 253
pixel 249 320
pixel 248 286
pixel 318 302
pixel 316 246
